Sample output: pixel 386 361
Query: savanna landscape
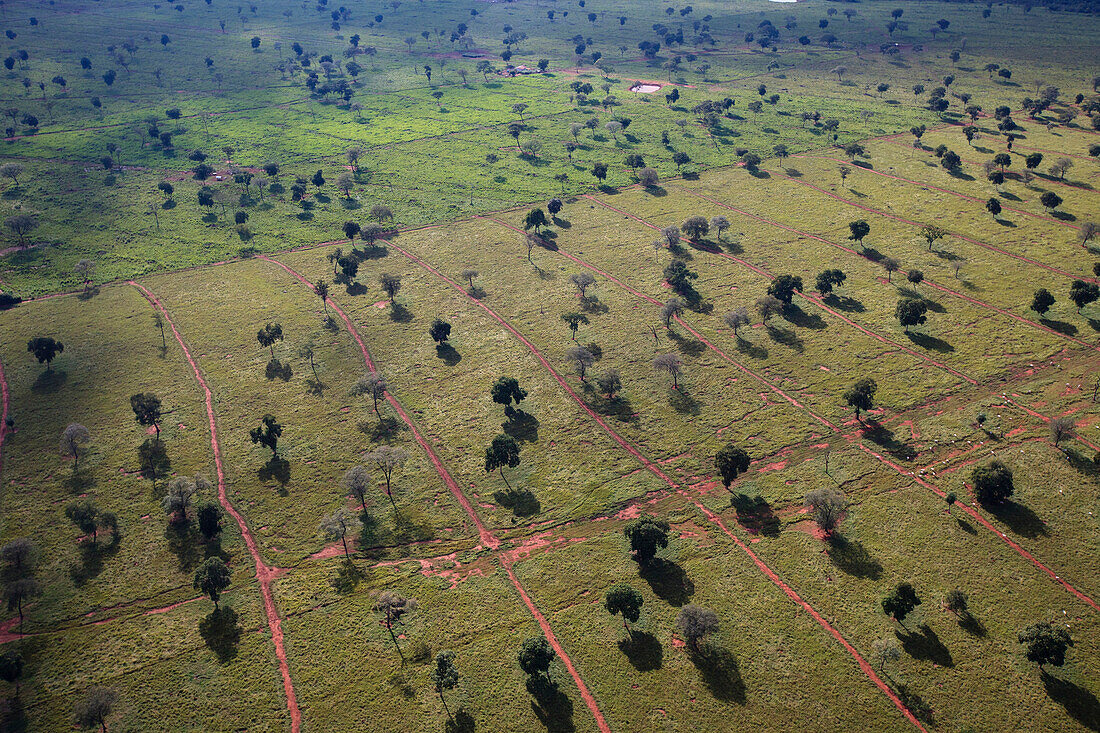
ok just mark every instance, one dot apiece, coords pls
pixel 550 365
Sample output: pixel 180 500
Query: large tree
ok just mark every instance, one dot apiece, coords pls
pixel 147 410
pixel 910 312
pixel 624 600
pixel 1045 643
pixel 1042 301
pixel 506 390
pixel 694 623
pixel 646 535
pixel 45 349
pixel 827 507
pixel 731 461
pixel 784 287
pixel 993 483
pixel 859 229
pixel 212 578
pixel 861 395
pixel 900 602
pixel 502 452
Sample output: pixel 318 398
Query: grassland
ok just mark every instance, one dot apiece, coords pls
pixel 800 616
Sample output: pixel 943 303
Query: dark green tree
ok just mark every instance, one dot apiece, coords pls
pixel 900 602
pixel 861 395
pixel 646 535
pixel 504 451
pixel 992 483
pixel 624 600
pixel 440 331
pixel 828 280
pixel 784 287
pixel 859 229
pixel 444 676
pixel 910 312
pixel 1045 644
pixel 45 349
pixel 505 391
pixel 731 462
pixel 267 434
pixel 147 410
pixel 1042 301
pixel 1083 293
pixel 212 578
pixel 269 335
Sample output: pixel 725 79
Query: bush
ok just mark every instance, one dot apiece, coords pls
pixel 8 301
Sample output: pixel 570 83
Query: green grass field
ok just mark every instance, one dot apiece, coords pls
pixel 495 557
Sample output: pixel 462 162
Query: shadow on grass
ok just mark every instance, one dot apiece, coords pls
pixel 884 437
pixel 932 343
pixel 448 354
pixel 1062 327
pixel 851 557
pixel 276 369
pixel 347 577
pixel 643 650
pixel 925 644
pixel 185 543
pixel 916 704
pixel 80 481
pixel 785 336
pixel 221 632
pixel 668 581
pixel 522 426
pixel 89 293
pixel 618 407
pixel 276 468
pixel 971 624
pixel 520 502
pixel 798 317
pixel 315 387
pixel 1080 704
pixel 399 313
pixel 92 557
pixel 844 303
pixel 462 722
pixel 1020 519
pixel 683 402
pixel 554 710
pixel 50 381
pixel 719 669
pixel 385 428
pixel 748 348
pixel 686 346
pixel 755 514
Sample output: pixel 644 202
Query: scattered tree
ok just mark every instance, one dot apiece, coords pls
pixel 861 395
pixel 694 623
pixel 212 578
pixel 646 535
pixel 622 599
pixel 900 602
pixel 731 461
pixel 992 483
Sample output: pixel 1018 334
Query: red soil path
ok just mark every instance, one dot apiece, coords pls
pixel 486 536
pixel 656 470
pixel 264 573
pixel 813 300
pixel 4 399
pixel 985 523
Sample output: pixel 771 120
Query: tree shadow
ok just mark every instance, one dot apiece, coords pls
pixel 411 526
pixel 618 407
pixel 315 387
pixel 355 288
pixel 520 502
pixel 278 370
pixel 755 514
pixel 643 650
pixel 385 428
pixel 971 624
pixel 851 557
pixel 1080 704
pixel 522 426
pixel 1020 519
pixel 276 468
pixel 785 336
pixel 748 348
pixel 930 342
pixel 916 704
pixel 399 313
pixel 965 526
pixel 668 581
pixel 683 402
pixel 844 303
pixel 50 381
pixel 185 543
pixel 1063 215
pixel 798 317
pixel 92 557
pixel 1006 223
pixel 462 722
pixel 89 293
pixel 448 354
pixel 1060 326
pixel 476 292
pixel 347 577
pixel 592 304
pixel 80 481
pixel 878 433
pixel 687 347
pixel 554 710
pixel 221 632
pixel 925 644
pixel 720 671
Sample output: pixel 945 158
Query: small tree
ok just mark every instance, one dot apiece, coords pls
pixel 181 494
pixel 646 535
pixel 931 234
pixel 672 364
pixel 267 434
pixel 503 451
pixel 609 383
pixel 95 708
pixel 357 480
pixel 575 321
pixel 1062 428
pixel 993 206
pixel 444 676
pixel 1045 644
pixel 147 410
pixel 11 668
pixel 388 460
pixel 390 284
pixel 695 227
pixel 992 483
pixel 731 462
pixel 90 519
pixel 269 335
pixel 336 526
pixel 861 395
pixel 768 306
pixel 74 438
pixel 321 289
pixel 85 270
pixel 859 229
pixel 827 507
pixel 829 279
pixel 736 319
pixel 45 349
pixel 21 225
pixel 624 600
pixel 900 602
pixel 1042 301
pixel 694 623
pixel 440 331
pixel 582 281
pixel 392 606
pixel 956 602
pixel 212 578
pixel 373 384
pixel 886 650
pixel 720 224
pixel 535 657
pixel 535 219
pixel 581 359
pixel 210 520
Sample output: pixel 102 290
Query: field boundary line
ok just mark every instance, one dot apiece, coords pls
pixel 264 573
